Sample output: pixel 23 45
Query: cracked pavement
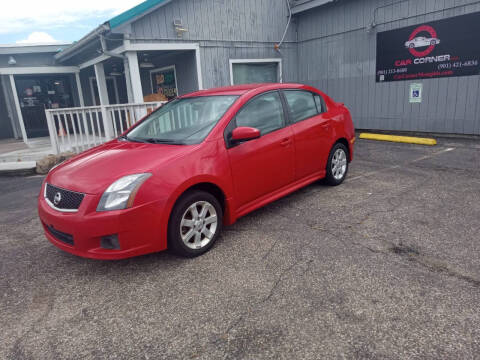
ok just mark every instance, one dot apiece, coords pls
pixel 385 266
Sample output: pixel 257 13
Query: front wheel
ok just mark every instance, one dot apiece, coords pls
pixel 195 224
pixel 337 165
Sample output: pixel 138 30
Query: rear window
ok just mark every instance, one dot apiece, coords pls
pixel 320 101
pixel 301 105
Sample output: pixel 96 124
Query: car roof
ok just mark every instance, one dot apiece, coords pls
pixel 243 89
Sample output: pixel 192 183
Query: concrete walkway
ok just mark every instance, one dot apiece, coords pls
pixel 18 151
pixel 18 158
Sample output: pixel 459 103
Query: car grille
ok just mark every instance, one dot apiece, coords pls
pixel 63 237
pixel 69 200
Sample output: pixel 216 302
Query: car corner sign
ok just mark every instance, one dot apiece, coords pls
pixel 442 48
pixel 426 44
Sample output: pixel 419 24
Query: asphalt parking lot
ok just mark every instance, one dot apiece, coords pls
pixel 385 266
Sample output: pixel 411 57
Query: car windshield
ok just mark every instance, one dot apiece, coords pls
pixel 182 121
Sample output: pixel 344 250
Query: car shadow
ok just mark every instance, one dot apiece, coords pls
pixel 168 260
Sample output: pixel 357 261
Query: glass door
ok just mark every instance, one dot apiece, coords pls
pixel 37 93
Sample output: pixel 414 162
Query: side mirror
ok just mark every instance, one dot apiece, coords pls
pixel 244 133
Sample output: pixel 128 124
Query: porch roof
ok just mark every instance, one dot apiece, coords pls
pixel 32 48
pixel 140 10
pixel 116 23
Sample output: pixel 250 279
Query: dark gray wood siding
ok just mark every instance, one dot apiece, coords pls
pixel 225 29
pixel 337 54
pixel 10 112
pixel 6 130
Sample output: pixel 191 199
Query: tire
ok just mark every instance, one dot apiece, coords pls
pixel 338 156
pixel 190 235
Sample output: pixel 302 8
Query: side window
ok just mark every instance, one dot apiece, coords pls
pixel 320 101
pixel 301 103
pixel 265 112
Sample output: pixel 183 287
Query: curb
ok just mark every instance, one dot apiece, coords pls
pixel 399 139
pixel 422 134
pixel 23 168
pixel 39 167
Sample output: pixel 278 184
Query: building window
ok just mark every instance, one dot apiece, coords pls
pixel 302 104
pixel 249 71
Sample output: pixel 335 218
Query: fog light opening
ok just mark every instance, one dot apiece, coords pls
pixel 110 242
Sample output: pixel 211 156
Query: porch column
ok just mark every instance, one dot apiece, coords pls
pixel 128 81
pixel 79 89
pixel 101 83
pixel 103 95
pixel 134 74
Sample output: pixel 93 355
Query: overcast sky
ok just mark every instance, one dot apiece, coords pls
pixel 40 21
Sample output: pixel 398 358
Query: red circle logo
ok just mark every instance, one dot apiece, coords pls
pixel 414 41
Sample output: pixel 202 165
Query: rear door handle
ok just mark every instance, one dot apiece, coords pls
pixel 286 142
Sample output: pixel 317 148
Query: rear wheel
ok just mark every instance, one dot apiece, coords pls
pixel 195 224
pixel 337 165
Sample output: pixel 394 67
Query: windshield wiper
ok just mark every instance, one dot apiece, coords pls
pixel 162 141
pixel 125 137
pixel 152 140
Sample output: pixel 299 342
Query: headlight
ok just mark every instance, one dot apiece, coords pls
pixel 121 193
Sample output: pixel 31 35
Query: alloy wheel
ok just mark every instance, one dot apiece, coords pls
pixel 339 164
pixel 199 224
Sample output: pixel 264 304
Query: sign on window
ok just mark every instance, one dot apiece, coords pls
pixel 164 83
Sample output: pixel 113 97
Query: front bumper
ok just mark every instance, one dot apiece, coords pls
pixel 138 229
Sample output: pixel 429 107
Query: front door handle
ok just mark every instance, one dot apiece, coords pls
pixel 286 142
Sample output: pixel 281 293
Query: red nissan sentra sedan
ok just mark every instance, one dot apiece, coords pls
pixel 195 164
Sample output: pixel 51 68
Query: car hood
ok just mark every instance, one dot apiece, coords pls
pixel 94 170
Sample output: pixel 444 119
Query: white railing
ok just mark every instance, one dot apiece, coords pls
pixel 78 129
